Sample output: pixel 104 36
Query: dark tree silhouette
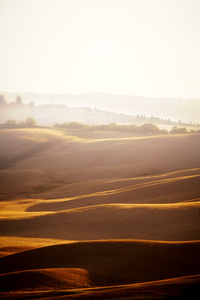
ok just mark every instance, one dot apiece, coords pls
pixel 2 100
pixel 176 130
pixel 30 123
pixel 10 124
pixel 149 128
pixel 18 100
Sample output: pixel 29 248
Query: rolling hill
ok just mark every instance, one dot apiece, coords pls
pixel 99 216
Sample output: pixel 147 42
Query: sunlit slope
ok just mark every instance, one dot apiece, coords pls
pixel 10 245
pixel 49 163
pixel 186 287
pixel 112 262
pixel 65 187
pixel 57 187
pixel 45 279
pixel 173 187
pixel 168 222
pixel 22 145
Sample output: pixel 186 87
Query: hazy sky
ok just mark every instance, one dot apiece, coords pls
pixel 138 47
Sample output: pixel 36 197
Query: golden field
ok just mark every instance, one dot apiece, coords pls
pixel 99 215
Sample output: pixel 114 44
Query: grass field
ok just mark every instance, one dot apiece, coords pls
pixel 102 216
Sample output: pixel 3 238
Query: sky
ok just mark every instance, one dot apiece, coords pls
pixel 137 47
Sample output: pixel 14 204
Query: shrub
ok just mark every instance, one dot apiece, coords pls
pixel 178 130
pixel 11 124
pixel 149 128
pixel 30 123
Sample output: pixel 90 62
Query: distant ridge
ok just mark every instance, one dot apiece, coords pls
pixel 176 109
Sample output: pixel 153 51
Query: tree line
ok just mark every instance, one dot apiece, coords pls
pixel 148 128
pixel 28 123
pixel 85 111
pixel 18 102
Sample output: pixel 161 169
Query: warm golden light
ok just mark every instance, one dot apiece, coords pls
pixel 148 48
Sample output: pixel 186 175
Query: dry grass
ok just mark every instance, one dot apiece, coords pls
pixel 112 262
pixel 147 221
pixel 186 287
pixel 69 160
pixel 10 245
pixel 121 191
pixel 45 279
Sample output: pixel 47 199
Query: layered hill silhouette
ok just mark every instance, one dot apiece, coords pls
pixel 174 108
pixel 104 263
pixel 134 261
pixel 96 217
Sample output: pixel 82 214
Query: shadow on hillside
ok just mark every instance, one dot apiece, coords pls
pixel 28 154
pixel 114 262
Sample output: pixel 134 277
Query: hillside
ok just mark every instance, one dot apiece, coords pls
pixel 103 263
pixel 98 215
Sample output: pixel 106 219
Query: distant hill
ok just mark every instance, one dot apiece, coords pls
pixel 176 109
pixel 98 108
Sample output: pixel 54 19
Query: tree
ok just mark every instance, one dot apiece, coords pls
pixel 30 122
pixel 18 100
pixel 176 130
pixel 21 124
pixel 10 124
pixel 2 100
pixel 164 131
pixel 75 125
pixel 149 128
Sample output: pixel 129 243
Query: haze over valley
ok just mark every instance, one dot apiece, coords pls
pixel 99 149
pixel 98 108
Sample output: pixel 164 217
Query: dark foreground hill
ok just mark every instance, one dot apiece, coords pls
pixel 104 263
